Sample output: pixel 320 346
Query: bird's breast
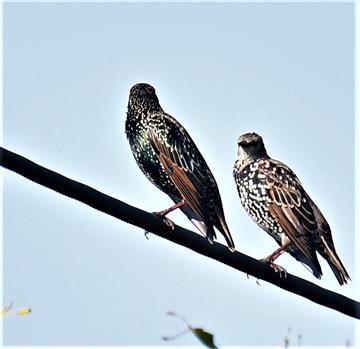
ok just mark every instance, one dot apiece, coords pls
pixel 147 159
pixel 254 197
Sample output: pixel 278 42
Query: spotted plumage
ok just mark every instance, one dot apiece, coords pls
pixel 169 158
pixel 274 198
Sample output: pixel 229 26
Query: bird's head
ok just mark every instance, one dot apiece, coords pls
pixel 143 97
pixel 251 147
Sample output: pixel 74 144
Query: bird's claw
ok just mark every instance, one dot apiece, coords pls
pixel 166 220
pixel 169 223
pixel 277 268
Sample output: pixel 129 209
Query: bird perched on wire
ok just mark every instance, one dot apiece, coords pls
pixel 274 198
pixel 169 158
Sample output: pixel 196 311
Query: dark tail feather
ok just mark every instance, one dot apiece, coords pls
pixel 325 246
pixel 205 229
pixel 339 272
pixel 224 230
pixel 335 263
pixel 315 268
pixel 210 234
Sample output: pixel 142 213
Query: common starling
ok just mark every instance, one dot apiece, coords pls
pixel 274 198
pixel 169 158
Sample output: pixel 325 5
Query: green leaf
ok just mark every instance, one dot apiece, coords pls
pixel 204 337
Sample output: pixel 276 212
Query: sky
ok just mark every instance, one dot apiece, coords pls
pixel 284 70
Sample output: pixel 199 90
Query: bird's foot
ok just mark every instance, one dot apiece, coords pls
pixel 166 220
pixel 277 268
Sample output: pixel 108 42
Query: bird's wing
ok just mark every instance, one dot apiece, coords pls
pixel 290 205
pixel 185 166
pixel 323 226
pixel 325 246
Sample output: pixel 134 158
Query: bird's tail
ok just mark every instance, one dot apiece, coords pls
pixel 206 229
pixel 224 230
pixel 325 246
pixel 334 262
pixel 311 264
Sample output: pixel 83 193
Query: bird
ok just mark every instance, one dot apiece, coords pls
pixel 273 196
pixel 169 158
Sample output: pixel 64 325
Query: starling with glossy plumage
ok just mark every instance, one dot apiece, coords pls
pixel 169 158
pixel 274 198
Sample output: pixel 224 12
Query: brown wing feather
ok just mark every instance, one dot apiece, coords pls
pixel 179 177
pixel 289 223
pixel 293 214
pixel 190 174
pixel 178 173
pixel 325 246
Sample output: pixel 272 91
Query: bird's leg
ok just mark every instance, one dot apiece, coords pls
pixel 162 214
pixel 277 253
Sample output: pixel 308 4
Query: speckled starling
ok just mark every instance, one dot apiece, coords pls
pixel 274 198
pixel 169 158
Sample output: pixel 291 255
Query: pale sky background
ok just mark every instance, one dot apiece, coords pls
pixel 285 71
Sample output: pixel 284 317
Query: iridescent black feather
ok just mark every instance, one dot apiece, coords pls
pixel 169 158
